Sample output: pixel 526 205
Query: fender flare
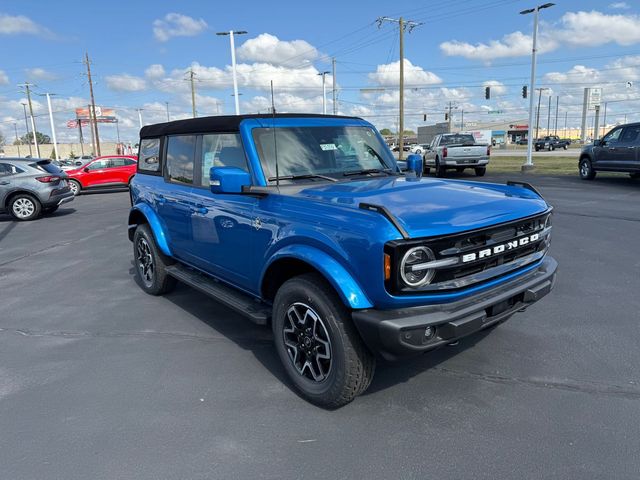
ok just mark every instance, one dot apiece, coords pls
pixel 340 279
pixel 155 224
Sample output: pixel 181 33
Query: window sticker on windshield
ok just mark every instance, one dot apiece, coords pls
pixel 328 146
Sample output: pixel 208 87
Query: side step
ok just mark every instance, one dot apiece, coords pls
pixel 234 299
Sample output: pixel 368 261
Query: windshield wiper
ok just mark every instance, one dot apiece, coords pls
pixel 302 177
pixel 368 171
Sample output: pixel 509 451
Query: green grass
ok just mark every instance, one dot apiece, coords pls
pixel 543 165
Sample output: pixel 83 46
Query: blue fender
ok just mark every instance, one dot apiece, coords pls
pixel 347 287
pixel 154 223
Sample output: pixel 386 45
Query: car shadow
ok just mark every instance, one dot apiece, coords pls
pixel 6 230
pixel 258 340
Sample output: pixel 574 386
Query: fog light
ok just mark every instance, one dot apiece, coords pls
pixel 429 333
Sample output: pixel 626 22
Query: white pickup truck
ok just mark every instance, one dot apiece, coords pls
pixel 456 150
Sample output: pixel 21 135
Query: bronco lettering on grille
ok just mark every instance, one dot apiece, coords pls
pixel 498 249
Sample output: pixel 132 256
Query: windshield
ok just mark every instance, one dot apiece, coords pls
pixel 457 140
pixel 329 151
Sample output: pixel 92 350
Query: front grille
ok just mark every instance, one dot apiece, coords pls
pixel 481 255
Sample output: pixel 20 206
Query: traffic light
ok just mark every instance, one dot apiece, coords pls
pixel 487 92
pixel 424 117
pixel 524 92
pixel 446 116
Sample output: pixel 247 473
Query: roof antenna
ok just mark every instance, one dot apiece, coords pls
pixel 275 142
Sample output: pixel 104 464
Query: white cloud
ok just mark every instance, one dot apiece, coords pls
pixel 17 24
pixel 40 74
pixel 155 71
pixel 177 25
pixel 267 48
pixel 126 83
pixel 573 29
pixel 389 75
pixel 4 79
pixel 620 6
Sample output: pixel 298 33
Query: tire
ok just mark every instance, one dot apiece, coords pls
pixel 75 187
pixel 550 148
pixel 150 263
pixel 24 207
pixel 537 149
pixel 564 147
pixel 308 314
pixel 440 170
pixel 586 169
pixel 50 210
pixel 480 171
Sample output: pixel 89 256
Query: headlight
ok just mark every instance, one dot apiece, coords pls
pixel 412 276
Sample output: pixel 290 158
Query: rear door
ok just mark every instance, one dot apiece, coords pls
pixel 626 152
pixel 120 169
pixel 7 177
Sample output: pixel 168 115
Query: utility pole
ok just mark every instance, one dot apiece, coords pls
pixel 231 34
pixel 334 91
pixel 94 150
pixel 94 125
pixel 26 86
pixel 53 128
pixel 538 115
pixel 167 104
pixel 462 120
pixel 604 121
pixel 193 93
pixel 565 123
pixel 324 93
pixel 449 128
pixel 536 11
pixel 15 128
pixel 555 130
pixel 402 24
pixel 139 110
pixel 26 125
pixel 549 117
pixel 596 126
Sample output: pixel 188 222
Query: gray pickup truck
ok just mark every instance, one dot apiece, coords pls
pixel 456 150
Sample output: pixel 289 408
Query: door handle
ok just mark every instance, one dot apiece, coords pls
pixel 199 208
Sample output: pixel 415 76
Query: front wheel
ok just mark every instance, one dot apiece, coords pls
pixel 25 207
pixel 318 344
pixel 565 147
pixel 151 263
pixel 586 170
pixel 75 187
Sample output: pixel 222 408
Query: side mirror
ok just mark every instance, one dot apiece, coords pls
pixel 599 143
pixel 86 169
pixel 414 164
pixel 228 179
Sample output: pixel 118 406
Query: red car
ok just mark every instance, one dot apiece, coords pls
pixel 114 171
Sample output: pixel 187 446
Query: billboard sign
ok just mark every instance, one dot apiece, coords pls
pixel 103 115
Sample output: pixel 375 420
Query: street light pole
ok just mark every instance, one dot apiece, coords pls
pixel 324 93
pixel 231 34
pixel 529 163
pixel 53 128
pixel 167 104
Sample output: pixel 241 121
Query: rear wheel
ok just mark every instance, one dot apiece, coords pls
pixel 25 207
pixel 586 169
pixel 318 344
pixel 480 171
pixel 440 170
pixel 565 147
pixel 151 263
pixel 75 187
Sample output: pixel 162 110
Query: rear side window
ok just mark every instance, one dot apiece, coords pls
pixel 181 151
pixel 630 135
pixel 119 162
pixel 149 156
pixel 46 166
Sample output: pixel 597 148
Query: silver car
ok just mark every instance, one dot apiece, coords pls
pixel 30 187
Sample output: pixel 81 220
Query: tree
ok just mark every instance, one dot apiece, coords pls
pixel 409 133
pixel 2 139
pixel 386 132
pixel 41 137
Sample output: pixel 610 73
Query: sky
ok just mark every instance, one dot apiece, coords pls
pixel 141 53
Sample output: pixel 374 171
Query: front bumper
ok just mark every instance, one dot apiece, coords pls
pixel 394 334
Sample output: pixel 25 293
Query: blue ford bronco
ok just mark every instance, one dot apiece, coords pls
pixel 306 223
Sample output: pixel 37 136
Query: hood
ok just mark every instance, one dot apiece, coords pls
pixel 428 207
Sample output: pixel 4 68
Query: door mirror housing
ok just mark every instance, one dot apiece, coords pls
pixel 599 143
pixel 85 169
pixel 414 164
pixel 228 179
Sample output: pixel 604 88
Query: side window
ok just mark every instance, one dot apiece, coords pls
pixel 149 156
pixel 99 164
pixel 181 150
pixel 630 135
pixel 221 150
pixel 613 136
pixel 129 161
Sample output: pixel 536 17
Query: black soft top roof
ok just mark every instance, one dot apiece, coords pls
pixel 220 123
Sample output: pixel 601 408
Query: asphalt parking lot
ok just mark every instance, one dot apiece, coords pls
pixel 99 380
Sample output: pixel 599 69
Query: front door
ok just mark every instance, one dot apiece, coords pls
pixel 223 225
pixel 605 153
pixel 97 173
